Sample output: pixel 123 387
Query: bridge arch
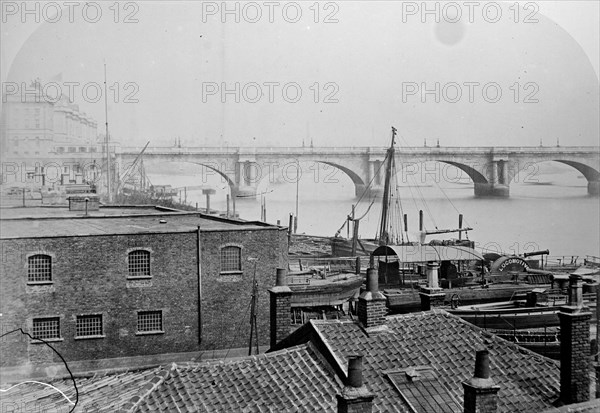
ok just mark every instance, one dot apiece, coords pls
pixel 590 173
pixel 329 177
pixel 476 176
pixel 229 180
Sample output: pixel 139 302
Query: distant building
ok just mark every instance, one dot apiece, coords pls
pixel 126 282
pixel 34 125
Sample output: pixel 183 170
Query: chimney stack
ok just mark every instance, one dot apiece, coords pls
pixel 371 303
pixel 480 392
pixel 575 363
pixel 432 295
pixel 281 297
pixel 355 397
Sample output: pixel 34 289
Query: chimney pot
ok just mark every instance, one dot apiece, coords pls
pixel 355 378
pixel 281 280
pixel 576 290
pixel 480 392
pixel 482 364
pixel 372 281
pixel 432 275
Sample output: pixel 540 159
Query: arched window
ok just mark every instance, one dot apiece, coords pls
pixel 39 268
pixel 139 263
pixel 231 259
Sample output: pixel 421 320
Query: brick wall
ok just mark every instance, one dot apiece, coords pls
pixel 480 400
pixel 90 276
pixel 226 299
pixel 357 405
pixel 575 356
pixel 371 310
pixel 280 307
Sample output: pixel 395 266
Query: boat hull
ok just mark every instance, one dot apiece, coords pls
pixel 332 291
pixel 341 247
pixel 407 300
pixel 507 319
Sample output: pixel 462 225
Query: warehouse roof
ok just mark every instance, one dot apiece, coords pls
pixel 41 222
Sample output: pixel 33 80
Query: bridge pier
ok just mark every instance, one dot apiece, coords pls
pixel 244 191
pixel 594 188
pixel 491 190
pixel 372 192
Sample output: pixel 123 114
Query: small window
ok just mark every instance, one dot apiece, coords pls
pixel 149 322
pixel 39 268
pixel 231 259
pixel 139 263
pixel 88 326
pixel 46 328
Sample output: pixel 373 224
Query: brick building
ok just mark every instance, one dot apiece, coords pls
pixel 125 282
pixel 420 362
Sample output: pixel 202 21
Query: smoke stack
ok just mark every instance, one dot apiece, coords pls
pixel 371 303
pixel 355 396
pixel 280 307
pixel 480 392
pixel 575 345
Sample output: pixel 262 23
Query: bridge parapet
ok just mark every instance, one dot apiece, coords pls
pixel 490 168
pixel 364 150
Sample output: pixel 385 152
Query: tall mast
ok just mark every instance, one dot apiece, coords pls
pixel 108 177
pixel 383 233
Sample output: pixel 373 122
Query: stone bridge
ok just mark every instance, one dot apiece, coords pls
pixel 491 169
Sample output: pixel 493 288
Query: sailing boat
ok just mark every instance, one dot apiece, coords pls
pixel 401 263
pixel 390 231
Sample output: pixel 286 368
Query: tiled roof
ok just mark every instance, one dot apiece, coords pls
pixel 291 380
pixel 592 406
pixel 100 393
pixel 447 345
pixel 416 363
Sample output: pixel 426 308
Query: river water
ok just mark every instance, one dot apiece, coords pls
pixel 549 211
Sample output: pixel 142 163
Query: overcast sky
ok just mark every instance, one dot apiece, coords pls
pixel 514 78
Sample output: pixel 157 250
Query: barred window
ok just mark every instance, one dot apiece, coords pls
pixel 46 328
pixel 39 268
pixel 231 259
pixel 139 263
pixel 88 325
pixel 149 321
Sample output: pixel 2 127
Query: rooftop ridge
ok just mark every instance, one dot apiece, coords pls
pixel 148 388
pixel 341 366
pixel 193 365
pixel 311 349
